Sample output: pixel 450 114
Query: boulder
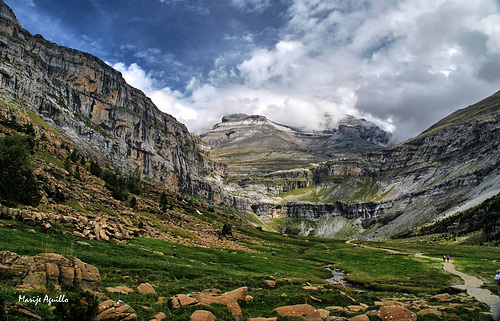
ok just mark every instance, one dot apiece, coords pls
pixel 238 294
pixel 305 311
pixel 159 317
pixel 202 315
pixel 115 310
pixel 47 268
pixel 145 288
pixel 396 313
pixel 362 317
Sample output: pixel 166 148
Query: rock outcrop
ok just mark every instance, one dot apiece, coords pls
pixel 34 273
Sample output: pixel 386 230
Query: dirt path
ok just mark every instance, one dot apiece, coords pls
pixel 471 284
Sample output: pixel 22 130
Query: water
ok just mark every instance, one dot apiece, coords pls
pixel 337 276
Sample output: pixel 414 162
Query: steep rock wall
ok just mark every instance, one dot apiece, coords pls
pixel 91 103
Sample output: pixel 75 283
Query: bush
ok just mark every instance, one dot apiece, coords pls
pixel 17 181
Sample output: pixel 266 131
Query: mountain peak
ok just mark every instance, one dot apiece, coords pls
pixel 241 116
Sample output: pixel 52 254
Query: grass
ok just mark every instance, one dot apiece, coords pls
pixel 178 269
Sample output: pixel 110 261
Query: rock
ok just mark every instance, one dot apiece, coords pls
pixel 355 308
pixel 336 309
pixel 238 294
pixel 145 288
pixel 111 310
pixel 35 272
pixel 310 288
pixel 396 313
pixel 186 300
pixel 443 297
pixel 262 319
pixel 362 317
pixel 120 289
pixel 202 315
pixel 305 311
pixel 429 311
pixel 270 284
pixel 83 243
pixel 337 319
pixel 324 313
pixel 159 316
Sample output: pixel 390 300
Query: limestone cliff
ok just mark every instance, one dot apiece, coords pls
pixel 87 100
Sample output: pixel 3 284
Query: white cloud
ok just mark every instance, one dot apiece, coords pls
pixel 165 99
pixel 402 64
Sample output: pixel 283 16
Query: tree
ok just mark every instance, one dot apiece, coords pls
pixel 95 169
pixel 226 230
pixel 17 181
pixel 163 202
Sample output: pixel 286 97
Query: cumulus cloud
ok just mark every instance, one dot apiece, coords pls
pixel 165 99
pixel 401 64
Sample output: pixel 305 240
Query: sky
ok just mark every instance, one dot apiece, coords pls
pixel 402 64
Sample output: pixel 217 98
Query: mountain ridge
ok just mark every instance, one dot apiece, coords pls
pixel 289 174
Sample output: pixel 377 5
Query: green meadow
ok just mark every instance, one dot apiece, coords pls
pixel 371 274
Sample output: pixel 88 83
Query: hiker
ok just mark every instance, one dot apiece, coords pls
pixel 497 278
pixel 448 258
pixel 444 258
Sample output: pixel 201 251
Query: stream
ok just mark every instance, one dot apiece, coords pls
pixel 337 275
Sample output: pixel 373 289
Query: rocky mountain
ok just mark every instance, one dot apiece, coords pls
pixel 253 145
pixel 342 182
pixel 90 102
pixel 450 167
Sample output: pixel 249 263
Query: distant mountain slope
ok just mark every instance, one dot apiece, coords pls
pixel 254 145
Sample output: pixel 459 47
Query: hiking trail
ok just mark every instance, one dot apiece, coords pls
pixel 472 285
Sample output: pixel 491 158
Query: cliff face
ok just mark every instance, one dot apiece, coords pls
pixel 92 104
pixel 450 167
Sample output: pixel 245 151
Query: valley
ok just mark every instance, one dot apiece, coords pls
pixel 115 205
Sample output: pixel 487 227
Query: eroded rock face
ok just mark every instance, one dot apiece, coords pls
pixel 90 102
pixel 47 268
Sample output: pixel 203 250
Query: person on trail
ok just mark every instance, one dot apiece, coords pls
pixel 444 258
pixel 497 279
pixel 448 258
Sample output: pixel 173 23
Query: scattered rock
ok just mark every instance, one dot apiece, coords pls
pixel 429 311
pixel 159 316
pixel 83 243
pixel 305 311
pixel 324 313
pixel 362 317
pixel 443 297
pixel 270 284
pixel 145 288
pixel 111 310
pixel 396 313
pixel 310 287
pixel 202 315
pixel 262 319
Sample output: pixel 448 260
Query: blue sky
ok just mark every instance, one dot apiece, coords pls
pixel 403 64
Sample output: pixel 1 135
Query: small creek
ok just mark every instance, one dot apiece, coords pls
pixel 337 275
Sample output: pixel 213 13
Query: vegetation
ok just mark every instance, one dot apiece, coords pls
pixel 17 181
